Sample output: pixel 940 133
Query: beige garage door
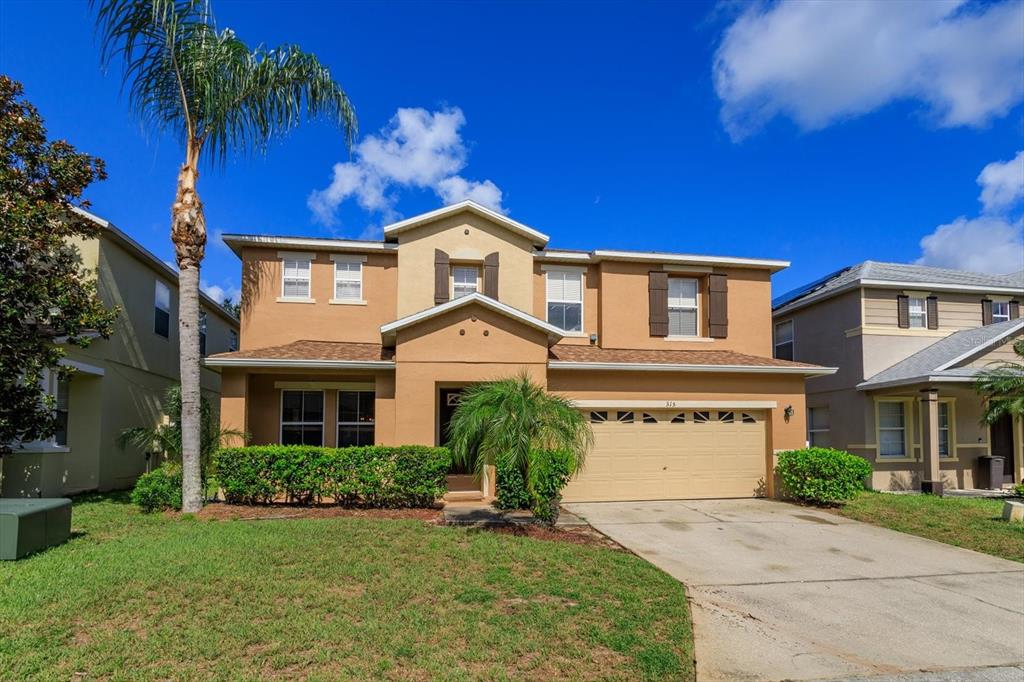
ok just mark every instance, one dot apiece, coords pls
pixel 672 454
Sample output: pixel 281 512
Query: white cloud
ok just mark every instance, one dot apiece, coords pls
pixel 1002 183
pixel 219 293
pixel 986 244
pixel 817 61
pixel 417 149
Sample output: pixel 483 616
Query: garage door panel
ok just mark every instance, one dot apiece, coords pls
pixel 666 460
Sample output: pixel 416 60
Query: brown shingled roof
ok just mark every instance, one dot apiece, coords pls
pixel 313 350
pixel 665 357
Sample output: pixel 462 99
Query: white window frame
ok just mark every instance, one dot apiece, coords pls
pixel 695 307
pixel 232 340
pixel 204 323
pixel 158 288
pixel 810 425
pixel 297 258
pixel 908 415
pixel 280 414
pixel 949 428
pixel 464 285
pixel 567 270
pixel 337 404
pixel 792 338
pixel 1000 317
pixel 922 314
pixel 348 259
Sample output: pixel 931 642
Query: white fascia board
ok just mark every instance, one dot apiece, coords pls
pixel 486 301
pixel 524 230
pixel 82 367
pixel 236 241
pixel 658 257
pixel 303 364
pixel 670 404
pixel 653 367
pixel 977 349
pixel 564 256
pixel 935 286
pixel 923 379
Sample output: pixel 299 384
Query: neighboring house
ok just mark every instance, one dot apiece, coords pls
pixel 668 355
pixel 120 381
pixel 905 338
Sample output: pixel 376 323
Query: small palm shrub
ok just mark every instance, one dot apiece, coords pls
pixel 159 489
pixel 822 475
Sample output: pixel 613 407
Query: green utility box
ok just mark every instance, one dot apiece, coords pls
pixel 29 525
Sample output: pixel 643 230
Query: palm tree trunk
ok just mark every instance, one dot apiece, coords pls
pixel 188 232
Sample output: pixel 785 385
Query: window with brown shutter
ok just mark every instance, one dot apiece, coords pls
pixel 657 288
pixel 986 311
pixel 491 275
pixel 933 312
pixel 440 276
pixel 903 311
pixel 718 302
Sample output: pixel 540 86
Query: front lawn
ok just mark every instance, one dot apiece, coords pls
pixel 973 523
pixel 134 596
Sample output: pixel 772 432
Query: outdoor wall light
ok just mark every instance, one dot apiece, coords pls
pixel 593 339
pixel 788 412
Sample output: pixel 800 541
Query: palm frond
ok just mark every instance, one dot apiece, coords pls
pixel 1002 386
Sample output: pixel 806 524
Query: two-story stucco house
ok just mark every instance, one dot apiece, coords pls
pixel 119 382
pixel 909 342
pixel 668 355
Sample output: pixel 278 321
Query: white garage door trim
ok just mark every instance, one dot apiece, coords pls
pixel 684 404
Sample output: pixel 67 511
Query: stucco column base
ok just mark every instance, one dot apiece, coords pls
pixel 931 488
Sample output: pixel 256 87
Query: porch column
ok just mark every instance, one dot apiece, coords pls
pixel 931 480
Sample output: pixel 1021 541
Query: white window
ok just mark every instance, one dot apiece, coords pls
pixel 818 427
pixel 162 306
pixel 892 429
pixel 464 280
pixel 202 333
pixel 944 430
pixel 565 299
pixel 60 436
pixel 784 340
pixel 348 280
pixel 918 313
pixel 302 417
pixel 682 306
pixel 1000 311
pixel 295 282
pixel 232 340
pixel 356 417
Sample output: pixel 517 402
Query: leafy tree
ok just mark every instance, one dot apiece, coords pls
pixel 1002 386
pixel 220 98
pixel 515 424
pixel 47 299
pixel 233 307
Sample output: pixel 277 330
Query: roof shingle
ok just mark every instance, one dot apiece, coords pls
pixel 665 357
pixel 314 350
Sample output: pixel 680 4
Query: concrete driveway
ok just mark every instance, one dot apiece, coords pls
pixel 784 592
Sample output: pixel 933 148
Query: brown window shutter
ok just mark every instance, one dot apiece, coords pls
pixel 441 271
pixel 491 275
pixel 718 302
pixel 657 288
pixel 903 311
pixel 1014 310
pixel 986 311
pixel 933 312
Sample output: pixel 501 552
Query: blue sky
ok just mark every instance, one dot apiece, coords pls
pixel 796 131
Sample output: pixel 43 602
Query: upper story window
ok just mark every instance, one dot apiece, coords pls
pixel 295 276
pixel 162 312
pixel 682 306
pixel 348 279
pixel 465 280
pixel 202 333
pixel 565 299
pixel 1000 311
pixel 232 340
pixel 784 340
pixel 918 308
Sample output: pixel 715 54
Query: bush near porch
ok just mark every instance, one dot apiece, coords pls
pixel 822 475
pixel 372 476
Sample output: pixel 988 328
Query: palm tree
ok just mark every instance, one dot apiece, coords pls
pixel 1002 386
pixel 220 98
pixel 508 422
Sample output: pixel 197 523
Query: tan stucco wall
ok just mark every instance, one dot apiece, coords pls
pixel 269 322
pixel 466 238
pixel 956 310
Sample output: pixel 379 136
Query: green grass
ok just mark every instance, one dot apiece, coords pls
pixel 141 597
pixel 973 523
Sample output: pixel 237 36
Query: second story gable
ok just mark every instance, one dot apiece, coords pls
pixel 346 290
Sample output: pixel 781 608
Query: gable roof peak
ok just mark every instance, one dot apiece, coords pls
pixel 538 239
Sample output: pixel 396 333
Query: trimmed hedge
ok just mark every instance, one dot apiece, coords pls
pixel 550 472
pixel 371 476
pixel 822 475
pixel 159 489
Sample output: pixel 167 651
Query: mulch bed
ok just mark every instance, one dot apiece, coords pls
pixel 219 511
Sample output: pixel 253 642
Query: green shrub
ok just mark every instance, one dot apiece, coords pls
pixel 372 476
pixel 1018 490
pixel 550 470
pixel 159 489
pixel 822 475
pixel 511 485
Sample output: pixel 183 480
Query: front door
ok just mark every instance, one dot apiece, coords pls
pixel 448 400
pixel 1002 444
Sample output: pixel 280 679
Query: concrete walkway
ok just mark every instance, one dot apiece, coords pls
pixel 785 592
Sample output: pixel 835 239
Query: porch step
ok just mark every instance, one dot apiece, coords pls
pixel 463 496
